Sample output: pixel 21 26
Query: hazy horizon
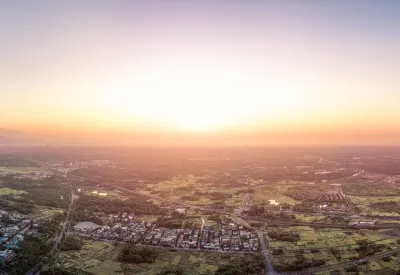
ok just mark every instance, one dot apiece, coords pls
pixel 201 73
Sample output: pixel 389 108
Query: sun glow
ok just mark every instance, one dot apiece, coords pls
pixel 195 97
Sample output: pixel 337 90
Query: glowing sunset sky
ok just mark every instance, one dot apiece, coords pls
pixel 311 72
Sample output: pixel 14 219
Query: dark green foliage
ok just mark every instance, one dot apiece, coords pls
pixel 368 248
pixel 260 212
pixel 110 206
pixel 387 206
pixel 277 251
pixel 30 253
pixel 171 270
pixel 299 264
pixel 50 227
pixel 137 255
pixel 169 222
pixel 336 252
pixel 44 192
pixel 370 189
pixel 284 236
pixel 254 265
pixel 72 243
pixel 23 208
pixel 58 271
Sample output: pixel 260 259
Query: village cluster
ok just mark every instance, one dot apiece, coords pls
pixel 12 228
pixel 124 227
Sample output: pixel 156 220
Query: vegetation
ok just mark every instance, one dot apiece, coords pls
pixel 284 236
pixel 367 248
pixel 110 206
pixel 59 271
pixel 387 206
pixel 137 255
pixel 45 192
pixel 50 227
pixel 72 243
pixel 300 264
pixel 171 270
pixel 256 265
pixel 23 208
pixel 31 251
pixel 366 188
pixel 261 212
pixel 315 193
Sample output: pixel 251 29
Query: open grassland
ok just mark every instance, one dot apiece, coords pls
pixel 193 190
pixel 371 189
pixel 23 170
pixel 94 257
pixel 101 258
pixel 273 192
pixel 45 213
pixel 105 192
pixel 386 266
pixel 366 204
pixel 312 218
pixel 16 194
pixel 329 245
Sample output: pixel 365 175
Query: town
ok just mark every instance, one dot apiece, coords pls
pixel 124 228
pixel 13 226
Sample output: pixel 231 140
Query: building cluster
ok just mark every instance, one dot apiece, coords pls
pixel 210 238
pixel 121 227
pixel 188 238
pixel 181 238
pixel 237 238
pixel 228 238
pixel 12 226
pixel 36 176
pixel 125 228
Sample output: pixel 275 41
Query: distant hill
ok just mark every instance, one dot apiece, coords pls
pixel 15 138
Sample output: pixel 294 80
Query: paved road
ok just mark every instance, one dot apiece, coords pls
pixel 64 224
pixel 265 252
pixel 65 227
pixel 347 264
pixel 323 225
pixel 239 220
pixel 349 203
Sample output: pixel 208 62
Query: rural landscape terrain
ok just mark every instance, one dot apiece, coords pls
pixel 190 211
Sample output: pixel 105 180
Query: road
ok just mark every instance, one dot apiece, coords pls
pixel 64 224
pixel 324 225
pixel 65 228
pixel 265 252
pixel 347 264
pixel 239 220
pixel 349 204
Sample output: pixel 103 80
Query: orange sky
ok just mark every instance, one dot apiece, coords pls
pixel 202 73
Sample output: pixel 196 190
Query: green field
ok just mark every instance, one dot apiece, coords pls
pixel 323 244
pixel 274 192
pixel 16 194
pixel 312 218
pixel 364 204
pixel 45 213
pixel 199 191
pixel 370 189
pixel 100 258
pixel 23 170
pixel 388 266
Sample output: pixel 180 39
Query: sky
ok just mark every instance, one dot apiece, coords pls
pixel 202 72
